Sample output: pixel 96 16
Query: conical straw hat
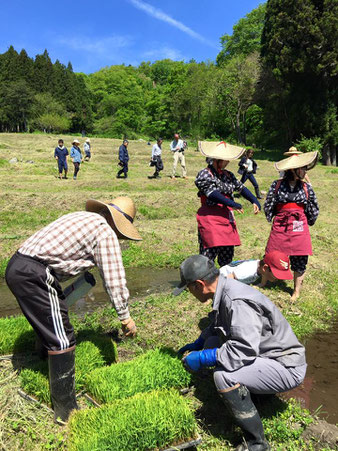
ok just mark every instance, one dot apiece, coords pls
pixel 220 150
pixel 308 159
pixel 122 210
pixel 292 151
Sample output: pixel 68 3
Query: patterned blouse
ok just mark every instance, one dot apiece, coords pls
pixel 286 194
pixel 209 180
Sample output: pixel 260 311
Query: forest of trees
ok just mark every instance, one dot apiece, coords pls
pixel 274 83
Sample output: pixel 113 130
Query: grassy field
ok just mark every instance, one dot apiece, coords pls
pixel 32 196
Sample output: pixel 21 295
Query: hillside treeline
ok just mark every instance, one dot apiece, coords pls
pixel 274 82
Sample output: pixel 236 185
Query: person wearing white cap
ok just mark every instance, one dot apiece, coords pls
pixel 249 343
pixel 87 150
pixel 76 156
pixel 293 205
pixel 217 231
pixel 63 249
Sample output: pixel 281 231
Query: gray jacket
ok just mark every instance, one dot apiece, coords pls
pixel 249 325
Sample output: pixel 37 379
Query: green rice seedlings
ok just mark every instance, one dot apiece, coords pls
pixel 16 335
pixel 152 370
pixel 146 421
pixel 88 356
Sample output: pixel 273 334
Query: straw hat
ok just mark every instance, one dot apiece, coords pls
pixel 87 140
pixel 76 141
pixel 220 150
pixel 308 159
pixel 122 210
pixel 292 151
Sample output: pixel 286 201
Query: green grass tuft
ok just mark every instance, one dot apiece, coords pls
pixel 143 422
pixel 16 335
pixel 152 370
pixel 88 356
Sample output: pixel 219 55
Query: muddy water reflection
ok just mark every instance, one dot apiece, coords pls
pixel 320 386
pixel 141 282
pixel 321 383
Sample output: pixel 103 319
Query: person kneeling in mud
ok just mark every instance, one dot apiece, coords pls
pixel 69 246
pixel 249 343
pixel 274 266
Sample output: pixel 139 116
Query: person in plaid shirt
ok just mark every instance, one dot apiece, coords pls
pixel 68 246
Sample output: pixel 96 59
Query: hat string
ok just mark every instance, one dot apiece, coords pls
pixel 130 219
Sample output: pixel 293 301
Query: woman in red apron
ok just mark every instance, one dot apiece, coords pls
pixel 217 231
pixel 293 204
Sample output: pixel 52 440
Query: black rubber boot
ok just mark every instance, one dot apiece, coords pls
pixel 258 193
pixel 62 382
pixel 244 412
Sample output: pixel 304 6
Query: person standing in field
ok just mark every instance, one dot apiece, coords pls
pixel 177 147
pixel 247 168
pixel 123 159
pixel 217 231
pixel 156 158
pixel 293 205
pixel 61 155
pixel 63 249
pixel 76 156
pixel 87 150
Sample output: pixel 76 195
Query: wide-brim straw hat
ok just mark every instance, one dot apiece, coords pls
pixel 292 151
pixel 220 150
pixel 76 141
pixel 122 210
pixel 308 159
pixel 87 140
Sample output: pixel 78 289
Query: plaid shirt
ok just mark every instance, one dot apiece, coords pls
pixel 79 241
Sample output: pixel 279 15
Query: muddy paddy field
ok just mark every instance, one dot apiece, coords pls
pixel 32 196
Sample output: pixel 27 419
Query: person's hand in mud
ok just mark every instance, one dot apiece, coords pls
pixel 129 327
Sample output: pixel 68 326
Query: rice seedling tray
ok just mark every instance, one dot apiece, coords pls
pixel 156 369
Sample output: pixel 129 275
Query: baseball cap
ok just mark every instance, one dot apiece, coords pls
pixel 279 264
pixel 196 267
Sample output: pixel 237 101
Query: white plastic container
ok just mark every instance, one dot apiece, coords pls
pixel 79 288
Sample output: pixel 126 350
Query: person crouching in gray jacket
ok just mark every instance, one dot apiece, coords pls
pixel 249 343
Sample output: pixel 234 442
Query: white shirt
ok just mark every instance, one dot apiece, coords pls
pixel 156 151
pixel 176 145
pixel 249 165
pixel 245 271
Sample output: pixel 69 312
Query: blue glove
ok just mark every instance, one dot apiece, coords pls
pixel 195 346
pixel 216 196
pixel 250 197
pixel 200 359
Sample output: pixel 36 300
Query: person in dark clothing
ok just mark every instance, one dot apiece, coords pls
pixel 61 155
pixel 123 159
pixel 247 168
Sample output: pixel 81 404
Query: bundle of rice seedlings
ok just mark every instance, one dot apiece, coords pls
pixel 145 421
pixel 88 356
pixel 16 335
pixel 152 370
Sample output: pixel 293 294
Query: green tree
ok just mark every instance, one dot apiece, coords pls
pixel 15 105
pixel 300 70
pixel 246 36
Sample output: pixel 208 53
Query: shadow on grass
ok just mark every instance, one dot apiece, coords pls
pixel 213 415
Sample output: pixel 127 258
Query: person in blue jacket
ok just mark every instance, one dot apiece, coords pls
pixel 76 156
pixel 61 155
pixel 123 159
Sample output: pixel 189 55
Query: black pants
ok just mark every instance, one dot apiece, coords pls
pixel 124 169
pixel 158 164
pixel 76 168
pixel 251 177
pixel 298 263
pixel 41 300
pixel 224 254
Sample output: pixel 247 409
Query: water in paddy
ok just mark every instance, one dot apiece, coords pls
pixel 321 383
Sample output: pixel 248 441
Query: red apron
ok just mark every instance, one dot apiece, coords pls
pixel 217 226
pixel 290 231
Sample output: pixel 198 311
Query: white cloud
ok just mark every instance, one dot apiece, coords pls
pixel 163 52
pixel 160 15
pixel 101 46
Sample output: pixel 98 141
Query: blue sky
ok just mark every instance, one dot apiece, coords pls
pixel 94 34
